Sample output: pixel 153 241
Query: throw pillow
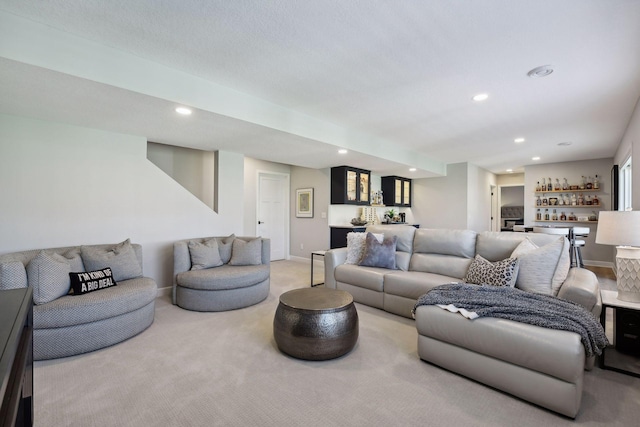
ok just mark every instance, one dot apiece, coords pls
pixel 246 253
pixel 48 276
pixel 12 275
pixel 378 254
pixel 537 265
pixel 85 282
pixel 121 258
pixel 355 246
pixel 74 258
pixel 499 273
pixel 205 254
pixel 225 244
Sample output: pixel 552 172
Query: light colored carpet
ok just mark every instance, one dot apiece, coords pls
pixel 224 369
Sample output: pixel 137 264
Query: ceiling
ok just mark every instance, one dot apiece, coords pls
pixel 291 82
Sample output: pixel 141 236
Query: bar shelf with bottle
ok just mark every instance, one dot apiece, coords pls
pixel 567 221
pixel 568 191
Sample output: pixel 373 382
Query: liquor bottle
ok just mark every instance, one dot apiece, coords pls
pixel 538 186
pixel 554 216
pixel 572 217
pixel 546 214
pixel 563 217
pixel 560 200
pixel 544 185
pixel 596 183
pixel 538 201
pixel 565 184
pixel 549 185
pixel 557 186
pixel 596 201
pixel 538 215
pixel 588 200
pixel 580 199
pixel 545 201
pixel 574 201
pixel 583 183
pixel 589 184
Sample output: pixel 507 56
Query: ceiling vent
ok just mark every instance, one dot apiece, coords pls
pixel 541 71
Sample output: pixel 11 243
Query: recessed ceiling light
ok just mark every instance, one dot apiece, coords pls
pixel 481 97
pixel 541 71
pixel 565 143
pixel 183 110
pixel 509 170
pixel 535 158
pixel 518 140
pixel 412 169
pixel 342 151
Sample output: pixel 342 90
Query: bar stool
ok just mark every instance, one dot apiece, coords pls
pixel 577 241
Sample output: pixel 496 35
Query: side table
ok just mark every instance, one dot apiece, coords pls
pixel 624 334
pixel 316 253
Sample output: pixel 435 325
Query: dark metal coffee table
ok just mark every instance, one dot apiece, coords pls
pixel 316 323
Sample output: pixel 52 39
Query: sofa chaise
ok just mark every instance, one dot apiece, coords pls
pixel 540 365
pixel 66 324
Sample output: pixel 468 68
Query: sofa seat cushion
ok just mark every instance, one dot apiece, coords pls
pixel 559 354
pixel 371 278
pixel 71 310
pixel 413 284
pixel 223 277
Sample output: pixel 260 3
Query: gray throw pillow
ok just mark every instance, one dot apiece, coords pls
pixel 538 265
pixel 225 244
pixel 205 254
pixel 378 254
pixel 12 275
pixel 121 258
pixel 499 273
pixel 246 253
pixel 48 276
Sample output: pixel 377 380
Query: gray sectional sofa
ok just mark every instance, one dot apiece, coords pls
pixel 65 324
pixel 238 276
pixel 543 366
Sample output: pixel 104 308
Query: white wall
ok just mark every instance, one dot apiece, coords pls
pixel 479 182
pixel 63 185
pixel 630 147
pixel 573 171
pixel 441 202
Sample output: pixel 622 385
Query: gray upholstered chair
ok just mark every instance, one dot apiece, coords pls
pixel 238 278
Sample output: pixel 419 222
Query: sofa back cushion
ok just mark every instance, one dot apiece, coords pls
pixel 443 251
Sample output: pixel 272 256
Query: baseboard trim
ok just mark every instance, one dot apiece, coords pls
pixel 599 264
pixel 164 292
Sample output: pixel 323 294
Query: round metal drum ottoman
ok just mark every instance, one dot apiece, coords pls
pixel 316 323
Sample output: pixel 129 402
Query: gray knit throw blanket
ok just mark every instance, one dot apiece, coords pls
pixel 525 307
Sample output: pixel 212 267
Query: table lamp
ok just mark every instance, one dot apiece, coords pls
pixel 622 228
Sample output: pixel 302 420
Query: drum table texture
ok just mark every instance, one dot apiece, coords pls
pixel 316 323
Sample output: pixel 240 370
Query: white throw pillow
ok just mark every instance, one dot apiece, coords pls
pixel 538 265
pixel 356 244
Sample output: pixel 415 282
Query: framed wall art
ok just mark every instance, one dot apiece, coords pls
pixel 304 203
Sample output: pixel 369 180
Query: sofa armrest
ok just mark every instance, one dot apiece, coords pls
pixel 332 259
pixel 581 286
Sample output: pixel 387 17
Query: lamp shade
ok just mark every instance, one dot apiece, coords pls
pixel 619 228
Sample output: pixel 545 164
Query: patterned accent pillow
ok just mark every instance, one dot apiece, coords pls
pixel 378 254
pixel 499 273
pixel 246 253
pixel 48 276
pixel 121 258
pixel 12 275
pixel 205 254
pixel 83 283
pixel 355 246
pixel 225 244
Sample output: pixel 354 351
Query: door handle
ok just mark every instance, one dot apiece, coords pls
pixel 260 222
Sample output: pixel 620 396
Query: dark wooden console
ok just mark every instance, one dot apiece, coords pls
pixel 16 357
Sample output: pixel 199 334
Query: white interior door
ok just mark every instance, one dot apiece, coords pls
pixel 273 212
